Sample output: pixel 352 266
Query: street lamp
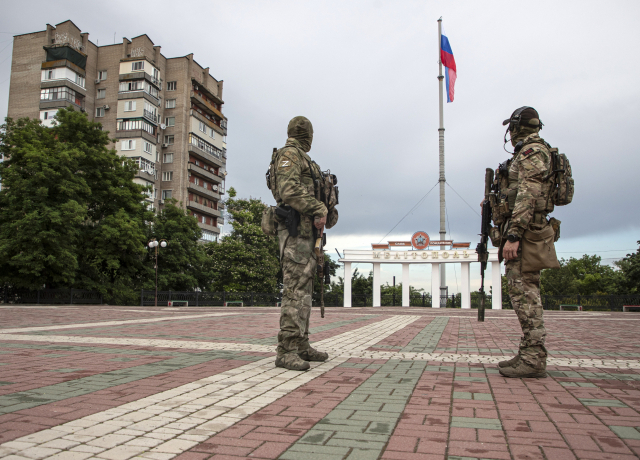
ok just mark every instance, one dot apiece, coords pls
pixel 154 244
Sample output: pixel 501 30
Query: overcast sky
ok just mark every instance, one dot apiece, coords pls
pixel 364 73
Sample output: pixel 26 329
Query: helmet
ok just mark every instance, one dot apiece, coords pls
pixel 523 116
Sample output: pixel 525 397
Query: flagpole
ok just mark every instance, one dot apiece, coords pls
pixel 443 233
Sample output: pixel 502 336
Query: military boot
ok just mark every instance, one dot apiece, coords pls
pixel 292 362
pixel 510 362
pixel 311 354
pixel 524 370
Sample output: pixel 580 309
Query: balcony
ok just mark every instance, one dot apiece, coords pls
pixel 211 228
pixel 205 209
pixel 203 191
pixel 204 173
pixel 205 104
pixel 61 99
pixel 157 82
pixel 136 127
pixel 205 151
pixel 207 121
pixel 151 116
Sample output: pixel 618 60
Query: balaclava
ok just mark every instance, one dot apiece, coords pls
pixel 300 129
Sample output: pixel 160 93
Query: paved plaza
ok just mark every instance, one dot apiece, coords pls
pixel 160 383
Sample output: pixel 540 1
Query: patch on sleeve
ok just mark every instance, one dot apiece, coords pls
pixel 527 152
pixel 285 163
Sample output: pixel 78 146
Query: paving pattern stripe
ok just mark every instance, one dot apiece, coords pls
pixel 427 340
pixel 77 387
pixel 187 415
pixel 110 323
pixel 361 425
pixel 351 353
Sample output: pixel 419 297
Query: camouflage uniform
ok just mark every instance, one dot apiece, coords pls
pixel 526 179
pixel 296 188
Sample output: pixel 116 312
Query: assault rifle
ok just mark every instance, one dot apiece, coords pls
pixel 481 249
pixel 322 268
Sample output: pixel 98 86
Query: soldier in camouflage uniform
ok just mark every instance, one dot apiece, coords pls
pixel 528 190
pixel 295 188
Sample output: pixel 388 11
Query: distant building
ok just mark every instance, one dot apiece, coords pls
pixel 166 113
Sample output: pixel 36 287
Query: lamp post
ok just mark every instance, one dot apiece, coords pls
pixel 154 244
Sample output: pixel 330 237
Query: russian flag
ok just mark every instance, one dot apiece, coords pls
pixel 446 56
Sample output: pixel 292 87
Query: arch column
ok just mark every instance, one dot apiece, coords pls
pixel 406 302
pixel 435 285
pixel 347 284
pixel 376 284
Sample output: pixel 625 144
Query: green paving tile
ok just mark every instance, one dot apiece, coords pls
pixel 602 402
pixel 427 339
pixel 477 423
pixel 66 371
pixel 123 360
pixel 625 432
pixel 578 384
pixel 6 383
pixel 52 355
pixel 82 386
pixel 365 420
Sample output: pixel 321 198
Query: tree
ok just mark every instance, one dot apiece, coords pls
pixel 70 214
pixel 247 259
pixel 182 265
pixel 584 276
pixel 629 269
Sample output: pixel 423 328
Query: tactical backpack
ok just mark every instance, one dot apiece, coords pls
pixel 562 188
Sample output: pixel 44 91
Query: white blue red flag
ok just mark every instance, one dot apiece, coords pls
pixel 446 56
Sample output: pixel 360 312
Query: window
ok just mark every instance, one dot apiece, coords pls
pixel 147 147
pixel 102 93
pixel 212 133
pixel 102 75
pixel 146 166
pixel 137 66
pixel 171 104
pixel 100 112
pixel 47 115
pixel 202 127
pixel 79 80
pixel 168 139
pixel 155 193
pixel 128 145
pixel 209 236
pixel 136 85
pixel 167 158
pixel 167 176
pixel 129 106
pixel 172 85
pixel 170 121
pixel 50 74
pixel 135 124
pixel 166 194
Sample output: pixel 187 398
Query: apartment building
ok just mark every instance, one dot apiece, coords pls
pixel 165 113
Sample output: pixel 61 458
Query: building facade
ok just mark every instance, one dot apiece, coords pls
pixel 165 113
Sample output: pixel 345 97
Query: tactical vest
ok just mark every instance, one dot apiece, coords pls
pixel 506 185
pixel 324 184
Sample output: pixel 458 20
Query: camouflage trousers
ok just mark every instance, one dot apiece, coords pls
pixel 524 291
pixel 298 269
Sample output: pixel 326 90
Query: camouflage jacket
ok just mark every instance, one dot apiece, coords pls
pixel 527 172
pixel 294 180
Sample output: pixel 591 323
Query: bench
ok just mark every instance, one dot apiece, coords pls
pixel 629 307
pixel 178 303
pixel 579 307
pixel 278 304
pixel 234 302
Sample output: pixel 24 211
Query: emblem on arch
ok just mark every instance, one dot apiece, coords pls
pixel 420 240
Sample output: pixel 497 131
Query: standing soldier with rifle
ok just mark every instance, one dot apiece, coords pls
pixel 518 199
pixel 297 185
